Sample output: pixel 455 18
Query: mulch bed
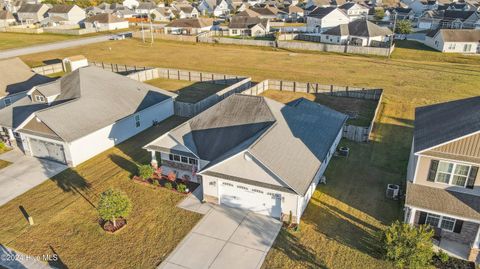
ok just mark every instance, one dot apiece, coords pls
pixel 163 180
pixel 452 263
pixel 108 225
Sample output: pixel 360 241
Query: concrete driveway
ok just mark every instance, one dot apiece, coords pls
pixel 24 173
pixel 225 238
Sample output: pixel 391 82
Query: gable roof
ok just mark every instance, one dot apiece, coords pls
pixel 30 8
pixel 441 123
pixel 321 12
pixel 104 18
pixel 457 14
pixel 243 22
pixel 6 15
pixel 92 98
pixel 17 77
pixel 61 8
pixel 456 35
pixel 359 28
pixel 289 140
pixel 191 23
pixel 146 5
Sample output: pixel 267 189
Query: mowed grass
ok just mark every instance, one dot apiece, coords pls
pixel 18 40
pixel 66 222
pixel 340 225
pixel 4 164
pixel 188 91
pixel 362 111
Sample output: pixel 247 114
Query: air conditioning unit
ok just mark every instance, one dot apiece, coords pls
pixel 323 180
pixel 343 151
pixel 392 191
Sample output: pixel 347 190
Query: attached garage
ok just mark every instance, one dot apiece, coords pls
pixel 250 198
pixel 47 150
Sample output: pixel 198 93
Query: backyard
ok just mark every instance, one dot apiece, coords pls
pixel 188 91
pixel 339 228
pixel 17 40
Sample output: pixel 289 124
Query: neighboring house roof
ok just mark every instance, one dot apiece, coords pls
pixel 265 11
pixel 92 98
pixel 187 9
pixel 30 8
pixel 5 15
pixel 248 12
pixel 433 14
pixel 191 23
pixel 146 5
pixel 321 12
pixel 445 201
pixel 359 28
pixel 17 77
pixel 441 123
pixel 351 5
pixel 60 8
pixel 104 18
pixel 460 35
pixel 294 9
pixel 243 22
pixel 290 140
pixel 457 14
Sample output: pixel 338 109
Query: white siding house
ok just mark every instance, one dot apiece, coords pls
pixel 454 40
pixel 322 19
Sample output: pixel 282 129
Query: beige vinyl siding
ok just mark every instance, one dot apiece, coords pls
pixel 39 127
pixel 468 146
pixel 422 174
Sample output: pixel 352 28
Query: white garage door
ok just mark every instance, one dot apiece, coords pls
pixel 251 198
pixel 47 150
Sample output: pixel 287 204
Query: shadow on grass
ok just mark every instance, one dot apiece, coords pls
pixel 56 262
pixel 125 164
pixel 70 181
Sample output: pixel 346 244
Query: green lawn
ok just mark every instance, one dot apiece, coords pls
pixel 188 91
pixel 66 221
pixel 339 227
pixel 17 40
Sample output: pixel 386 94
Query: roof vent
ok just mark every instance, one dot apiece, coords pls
pixel 247 156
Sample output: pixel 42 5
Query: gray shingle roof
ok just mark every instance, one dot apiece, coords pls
pixel 30 8
pixel 445 201
pixel 12 116
pixel 244 22
pixel 459 35
pixel 290 140
pixel 362 28
pixel 440 123
pixel 17 77
pixel 191 23
pixel 104 18
pixel 94 98
pixel 61 8
pixel 321 12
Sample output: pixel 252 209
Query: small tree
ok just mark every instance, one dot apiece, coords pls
pixel 114 204
pixel 379 14
pixel 408 246
pixel 404 27
pixel 145 171
pixel 152 16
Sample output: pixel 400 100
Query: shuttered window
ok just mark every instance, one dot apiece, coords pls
pixel 450 173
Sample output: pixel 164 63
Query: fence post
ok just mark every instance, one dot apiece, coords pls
pixel 316 88
pixel 201 76
pixel 116 66
pixel 103 66
pixel 189 76
pixel 346 89
pixel 168 73
pixel 281 85
pixel 178 74
pixel 308 87
pixel 294 86
pixel 111 67
pixel 331 89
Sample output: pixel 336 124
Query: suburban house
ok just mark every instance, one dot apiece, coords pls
pixel 402 14
pixel 460 19
pixel 312 4
pixel 16 79
pixel 145 8
pixel 67 14
pixel 6 18
pixel 292 13
pixel 324 18
pixel 83 113
pixel 131 4
pixel 216 7
pixel 32 13
pixel 185 12
pixel 268 12
pixel 354 11
pixel 358 33
pixel 105 22
pixel 420 6
pixel 191 26
pixel 162 14
pixel 454 40
pixel 254 153
pixel 430 19
pixel 443 184
pixel 248 26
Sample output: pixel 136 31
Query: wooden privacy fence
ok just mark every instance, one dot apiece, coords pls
pixel 48 69
pixel 351 132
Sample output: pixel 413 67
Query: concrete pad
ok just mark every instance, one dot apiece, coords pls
pixel 234 256
pixel 220 223
pixel 196 251
pixel 257 232
pixel 169 265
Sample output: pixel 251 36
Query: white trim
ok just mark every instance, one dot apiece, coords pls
pixel 27 120
pixel 440 219
pixel 443 214
pixel 416 167
pixel 450 160
pixel 452 174
pixel 449 141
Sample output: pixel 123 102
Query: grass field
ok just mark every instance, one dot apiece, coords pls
pixel 188 91
pixel 364 110
pixel 66 221
pixel 16 40
pixel 340 225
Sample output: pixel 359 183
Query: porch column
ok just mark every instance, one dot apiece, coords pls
pixel 411 215
pixel 154 162
pixel 476 243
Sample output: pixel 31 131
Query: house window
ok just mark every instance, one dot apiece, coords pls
pixel 234 32
pixel 176 158
pixel 170 157
pixel 242 187
pixel 258 191
pixel 7 101
pixel 39 98
pixel 227 184
pixel 451 46
pixel 444 223
pixel 452 173
pixel 192 161
pixel 184 159
pixel 467 47
pixel 137 121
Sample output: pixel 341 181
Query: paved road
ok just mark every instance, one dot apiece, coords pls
pixel 225 238
pixel 12 259
pixel 52 46
pixel 24 173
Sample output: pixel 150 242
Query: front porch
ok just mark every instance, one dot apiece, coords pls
pixel 183 167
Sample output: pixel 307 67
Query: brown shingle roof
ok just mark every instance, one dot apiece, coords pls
pixel 444 201
pixel 191 23
pixel 104 18
pixel 460 35
pixel 243 22
pixel 5 15
pixel 17 77
pixel 61 9
pixel 30 8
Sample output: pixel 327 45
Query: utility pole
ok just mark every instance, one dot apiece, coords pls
pixel 151 30
pixel 393 36
pixel 143 32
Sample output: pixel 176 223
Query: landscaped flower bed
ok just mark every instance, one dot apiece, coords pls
pixel 156 179
pixel 110 228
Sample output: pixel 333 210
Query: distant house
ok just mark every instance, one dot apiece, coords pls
pixel 163 14
pixel 68 14
pixel 268 12
pixel 354 11
pixel 145 8
pixel 454 40
pixel 131 4
pixel 6 18
pixel 455 19
pixel 430 19
pixel 16 79
pixel 324 18
pixel 293 13
pixel 184 12
pixel 312 4
pixel 84 113
pixel 216 7
pixel 358 33
pixel 402 14
pixel 248 26
pixel 254 153
pixel 443 181
pixel 32 13
pixel 105 22
pixel 191 26
pixel 420 6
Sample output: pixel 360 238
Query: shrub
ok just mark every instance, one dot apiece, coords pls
pixel 145 171
pixel 408 246
pixel 379 14
pixel 403 27
pixel 443 256
pixel 114 204
pixel 168 185
pixel 181 187
pixel 171 176
pixel 156 183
